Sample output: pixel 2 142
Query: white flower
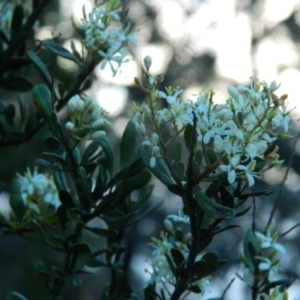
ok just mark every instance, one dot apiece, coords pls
pixel 37 188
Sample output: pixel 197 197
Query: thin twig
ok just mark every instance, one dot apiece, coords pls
pixel 282 184
pixel 227 288
pixel 289 230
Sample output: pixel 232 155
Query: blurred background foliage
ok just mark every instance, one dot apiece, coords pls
pixel 197 44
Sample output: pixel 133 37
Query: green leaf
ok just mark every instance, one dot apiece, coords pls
pixel 41 98
pixel 17 21
pixel 76 281
pixel 22 109
pixel 198 156
pixel 90 151
pixel 3 221
pixel 85 185
pixel 226 197
pixel 14 296
pixel 59 50
pixel 16 84
pixel 65 198
pixel 160 170
pixel 80 254
pixel 127 144
pixel 149 292
pixel 178 257
pixel 9 113
pixel 107 149
pixel 195 289
pixel 17 205
pixel 213 188
pixel 40 66
pixel 52 144
pixel 139 216
pixel 188 134
pixel 211 208
pixel 212 157
pixel 178 169
pixel 251 249
pixel 176 152
pixel 53 123
pixel 103 232
pixel 143 196
pixel 175 189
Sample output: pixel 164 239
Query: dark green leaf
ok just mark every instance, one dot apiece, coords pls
pixel 76 281
pixel 65 198
pixel 178 257
pixel 62 216
pixel 260 163
pixel 149 292
pixel 175 189
pixel 80 254
pixel 59 50
pixel 211 208
pixel 3 221
pixel 103 232
pixel 143 214
pixel 188 134
pixel 106 146
pixel 40 66
pixel 226 197
pixel 134 296
pixel 85 185
pixel 9 113
pixel 22 109
pixel 46 164
pixel 143 196
pixel 90 151
pixel 41 98
pixel 241 213
pixel 128 142
pixel 213 188
pixel 195 289
pixel 178 169
pixel 251 249
pixel 14 296
pixel 176 152
pixel 212 157
pixel 53 123
pixel 52 144
pixel 160 170
pixel 198 156
pixel 16 84
pixel 17 21
pixel 211 258
pixel 17 205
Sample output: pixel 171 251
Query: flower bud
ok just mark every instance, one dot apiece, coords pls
pixel 169 226
pixel 70 126
pixel 140 128
pixel 98 124
pixel 98 135
pixel 71 106
pixel 147 62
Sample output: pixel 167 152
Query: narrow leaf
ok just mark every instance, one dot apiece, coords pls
pixel 59 50
pixel 211 208
pixel 40 66
pixel 128 142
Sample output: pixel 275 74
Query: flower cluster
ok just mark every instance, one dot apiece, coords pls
pixel 238 132
pixel 162 254
pixel 86 115
pixel 107 42
pixel 266 259
pixel 38 191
